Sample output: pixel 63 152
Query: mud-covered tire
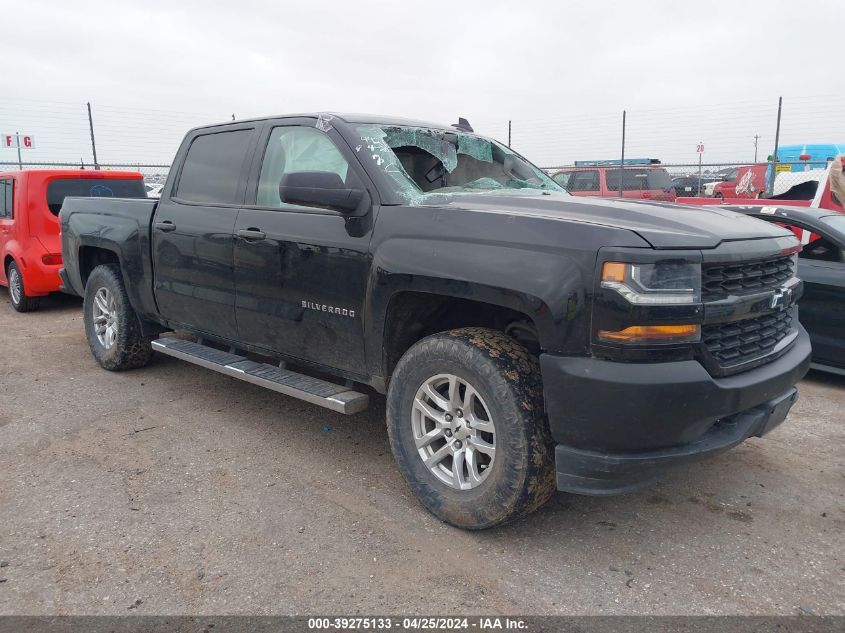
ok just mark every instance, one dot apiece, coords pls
pixel 130 348
pixel 17 290
pixel 521 477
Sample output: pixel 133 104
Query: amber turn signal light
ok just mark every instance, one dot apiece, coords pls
pixel 648 333
pixel 613 271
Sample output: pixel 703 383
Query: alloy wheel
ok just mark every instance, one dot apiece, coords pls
pixel 105 317
pixel 454 433
pixel 15 285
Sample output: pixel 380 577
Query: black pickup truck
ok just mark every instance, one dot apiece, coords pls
pixel 526 339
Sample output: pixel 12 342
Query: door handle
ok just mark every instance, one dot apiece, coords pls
pixel 252 234
pixel 165 225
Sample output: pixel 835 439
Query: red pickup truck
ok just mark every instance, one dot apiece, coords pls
pixel 828 192
pixel 746 181
pixel 30 243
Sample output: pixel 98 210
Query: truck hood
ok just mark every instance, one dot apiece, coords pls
pixel 662 225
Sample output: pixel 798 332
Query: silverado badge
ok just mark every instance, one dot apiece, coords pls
pixel 322 307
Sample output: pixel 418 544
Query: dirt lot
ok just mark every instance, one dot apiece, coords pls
pixel 173 489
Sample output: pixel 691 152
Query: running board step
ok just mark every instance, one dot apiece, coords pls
pixel 326 394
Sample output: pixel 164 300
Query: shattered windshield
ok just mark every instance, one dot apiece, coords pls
pixel 426 162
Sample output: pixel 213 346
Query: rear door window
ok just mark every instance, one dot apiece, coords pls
pixel 632 179
pixel 638 179
pixel 659 179
pixel 58 190
pixel 584 181
pixel 7 188
pixel 213 168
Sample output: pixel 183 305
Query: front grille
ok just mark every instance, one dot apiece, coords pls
pixel 720 280
pixel 739 342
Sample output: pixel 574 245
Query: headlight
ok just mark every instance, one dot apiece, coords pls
pixel 667 282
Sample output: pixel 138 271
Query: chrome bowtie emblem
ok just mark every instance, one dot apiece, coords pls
pixel 781 298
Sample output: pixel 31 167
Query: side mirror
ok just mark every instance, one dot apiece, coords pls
pixel 323 189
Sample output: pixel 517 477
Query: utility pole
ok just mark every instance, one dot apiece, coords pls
pixel 770 186
pixel 93 144
pixel 18 140
pixel 756 138
pixel 700 155
pixel 509 132
pixel 622 160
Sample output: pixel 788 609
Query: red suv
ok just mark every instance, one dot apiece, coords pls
pixel 30 244
pixel 647 183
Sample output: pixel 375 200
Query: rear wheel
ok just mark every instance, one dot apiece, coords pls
pixel 17 292
pixel 467 428
pixel 111 325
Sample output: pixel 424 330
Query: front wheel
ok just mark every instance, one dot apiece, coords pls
pixel 111 325
pixel 17 292
pixel 467 428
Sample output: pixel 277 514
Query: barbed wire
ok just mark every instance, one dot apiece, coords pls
pixel 729 130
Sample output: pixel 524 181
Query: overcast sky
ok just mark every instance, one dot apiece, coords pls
pixel 559 70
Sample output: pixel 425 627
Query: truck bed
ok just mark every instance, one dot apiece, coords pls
pixel 118 227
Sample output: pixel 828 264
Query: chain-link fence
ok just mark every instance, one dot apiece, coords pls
pixel 152 173
pixel 742 149
pixel 58 135
pixel 791 180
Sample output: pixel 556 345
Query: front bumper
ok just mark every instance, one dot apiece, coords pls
pixel 620 425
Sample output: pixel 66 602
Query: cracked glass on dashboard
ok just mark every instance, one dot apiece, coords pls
pixel 427 162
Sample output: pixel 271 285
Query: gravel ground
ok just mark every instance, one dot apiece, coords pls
pixel 175 490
